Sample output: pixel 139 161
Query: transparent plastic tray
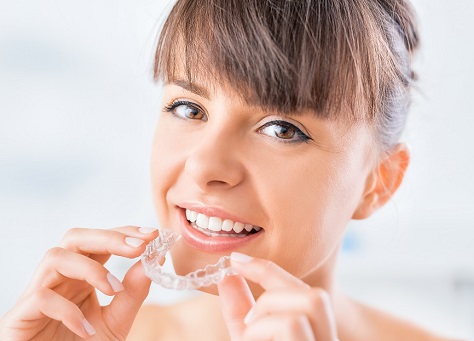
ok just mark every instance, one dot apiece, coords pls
pixel 155 253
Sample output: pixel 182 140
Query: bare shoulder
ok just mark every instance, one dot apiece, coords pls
pixel 387 327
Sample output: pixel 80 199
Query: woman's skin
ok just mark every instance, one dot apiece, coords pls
pixel 214 154
pixel 302 194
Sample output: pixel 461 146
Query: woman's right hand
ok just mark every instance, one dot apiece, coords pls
pixel 60 302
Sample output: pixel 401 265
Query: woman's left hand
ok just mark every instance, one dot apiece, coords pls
pixel 289 309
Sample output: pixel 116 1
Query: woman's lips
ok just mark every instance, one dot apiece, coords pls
pixel 218 243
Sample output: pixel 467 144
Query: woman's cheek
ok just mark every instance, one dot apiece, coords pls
pixel 164 171
pixel 318 220
pixel 296 210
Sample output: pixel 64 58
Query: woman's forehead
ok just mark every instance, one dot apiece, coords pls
pixel 210 92
pixel 233 98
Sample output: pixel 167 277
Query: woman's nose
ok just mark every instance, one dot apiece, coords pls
pixel 215 163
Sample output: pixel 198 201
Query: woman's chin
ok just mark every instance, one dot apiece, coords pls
pixel 186 259
pixel 212 289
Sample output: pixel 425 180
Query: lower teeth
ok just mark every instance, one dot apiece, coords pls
pixel 214 234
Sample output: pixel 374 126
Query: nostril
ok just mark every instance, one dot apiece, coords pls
pixel 214 164
pixel 217 183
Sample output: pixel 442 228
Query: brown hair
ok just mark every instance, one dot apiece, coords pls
pixel 339 58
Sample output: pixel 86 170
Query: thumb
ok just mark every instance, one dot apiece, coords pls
pixel 236 301
pixel 120 313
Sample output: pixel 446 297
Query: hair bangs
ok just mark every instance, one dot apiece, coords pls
pixel 271 57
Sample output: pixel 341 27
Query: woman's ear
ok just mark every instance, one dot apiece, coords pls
pixel 383 181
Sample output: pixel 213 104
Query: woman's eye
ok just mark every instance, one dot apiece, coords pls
pixel 284 130
pixel 186 110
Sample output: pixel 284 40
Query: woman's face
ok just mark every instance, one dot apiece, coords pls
pixel 296 178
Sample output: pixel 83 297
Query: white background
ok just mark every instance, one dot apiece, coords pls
pixel 78 108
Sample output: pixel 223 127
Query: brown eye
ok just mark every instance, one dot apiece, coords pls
pixel 284 131
pixel 186 110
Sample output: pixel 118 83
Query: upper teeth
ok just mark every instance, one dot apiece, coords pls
pixel 217 224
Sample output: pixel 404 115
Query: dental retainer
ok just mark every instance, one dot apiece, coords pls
pixel 154 254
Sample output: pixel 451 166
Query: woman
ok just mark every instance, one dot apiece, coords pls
pixel 281 123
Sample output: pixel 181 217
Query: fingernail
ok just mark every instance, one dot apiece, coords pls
pixel 116 285
pixel 240 257
pixel 134 242
pixel 163 261
pixel 147 230
pixel 249 315
pixel 88 327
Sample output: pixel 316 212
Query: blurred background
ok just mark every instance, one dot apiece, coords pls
pixel 78 109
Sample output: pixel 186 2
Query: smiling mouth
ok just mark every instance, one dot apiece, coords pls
pixel 217 227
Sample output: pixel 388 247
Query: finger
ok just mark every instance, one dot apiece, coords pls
pixel 288 327
pixel 314 303
pixel 265 273
pixel 236 301
pixel 124 307
pixel 133 232
pixel 46 303
pixel 127 241
pixel 60 264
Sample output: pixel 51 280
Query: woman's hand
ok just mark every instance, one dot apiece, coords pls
pixel 60 302
pixel 289 309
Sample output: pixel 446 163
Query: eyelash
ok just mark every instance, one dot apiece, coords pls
pixel 173 105
pixel 301 137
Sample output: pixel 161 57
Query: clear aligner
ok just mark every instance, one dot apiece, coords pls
pixel 155 253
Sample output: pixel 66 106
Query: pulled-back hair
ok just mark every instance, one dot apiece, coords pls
pixel 342 59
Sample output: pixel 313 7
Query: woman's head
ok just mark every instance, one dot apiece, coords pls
pixel 343 59
pixel 280 114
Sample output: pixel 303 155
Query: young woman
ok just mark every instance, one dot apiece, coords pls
pixel 281 123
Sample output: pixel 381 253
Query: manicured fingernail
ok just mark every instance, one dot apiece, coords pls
pixel 249 315
pixel 147 230
pixel 116 285
pixel 134 242
pixel 240 257
pixel 88 327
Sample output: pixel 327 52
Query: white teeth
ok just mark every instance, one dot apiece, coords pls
pixel 227 225
pixel 215 224
pixel 202 221
pixel 191 216
pixel 238 227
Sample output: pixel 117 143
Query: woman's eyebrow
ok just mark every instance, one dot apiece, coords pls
pixel 192 87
